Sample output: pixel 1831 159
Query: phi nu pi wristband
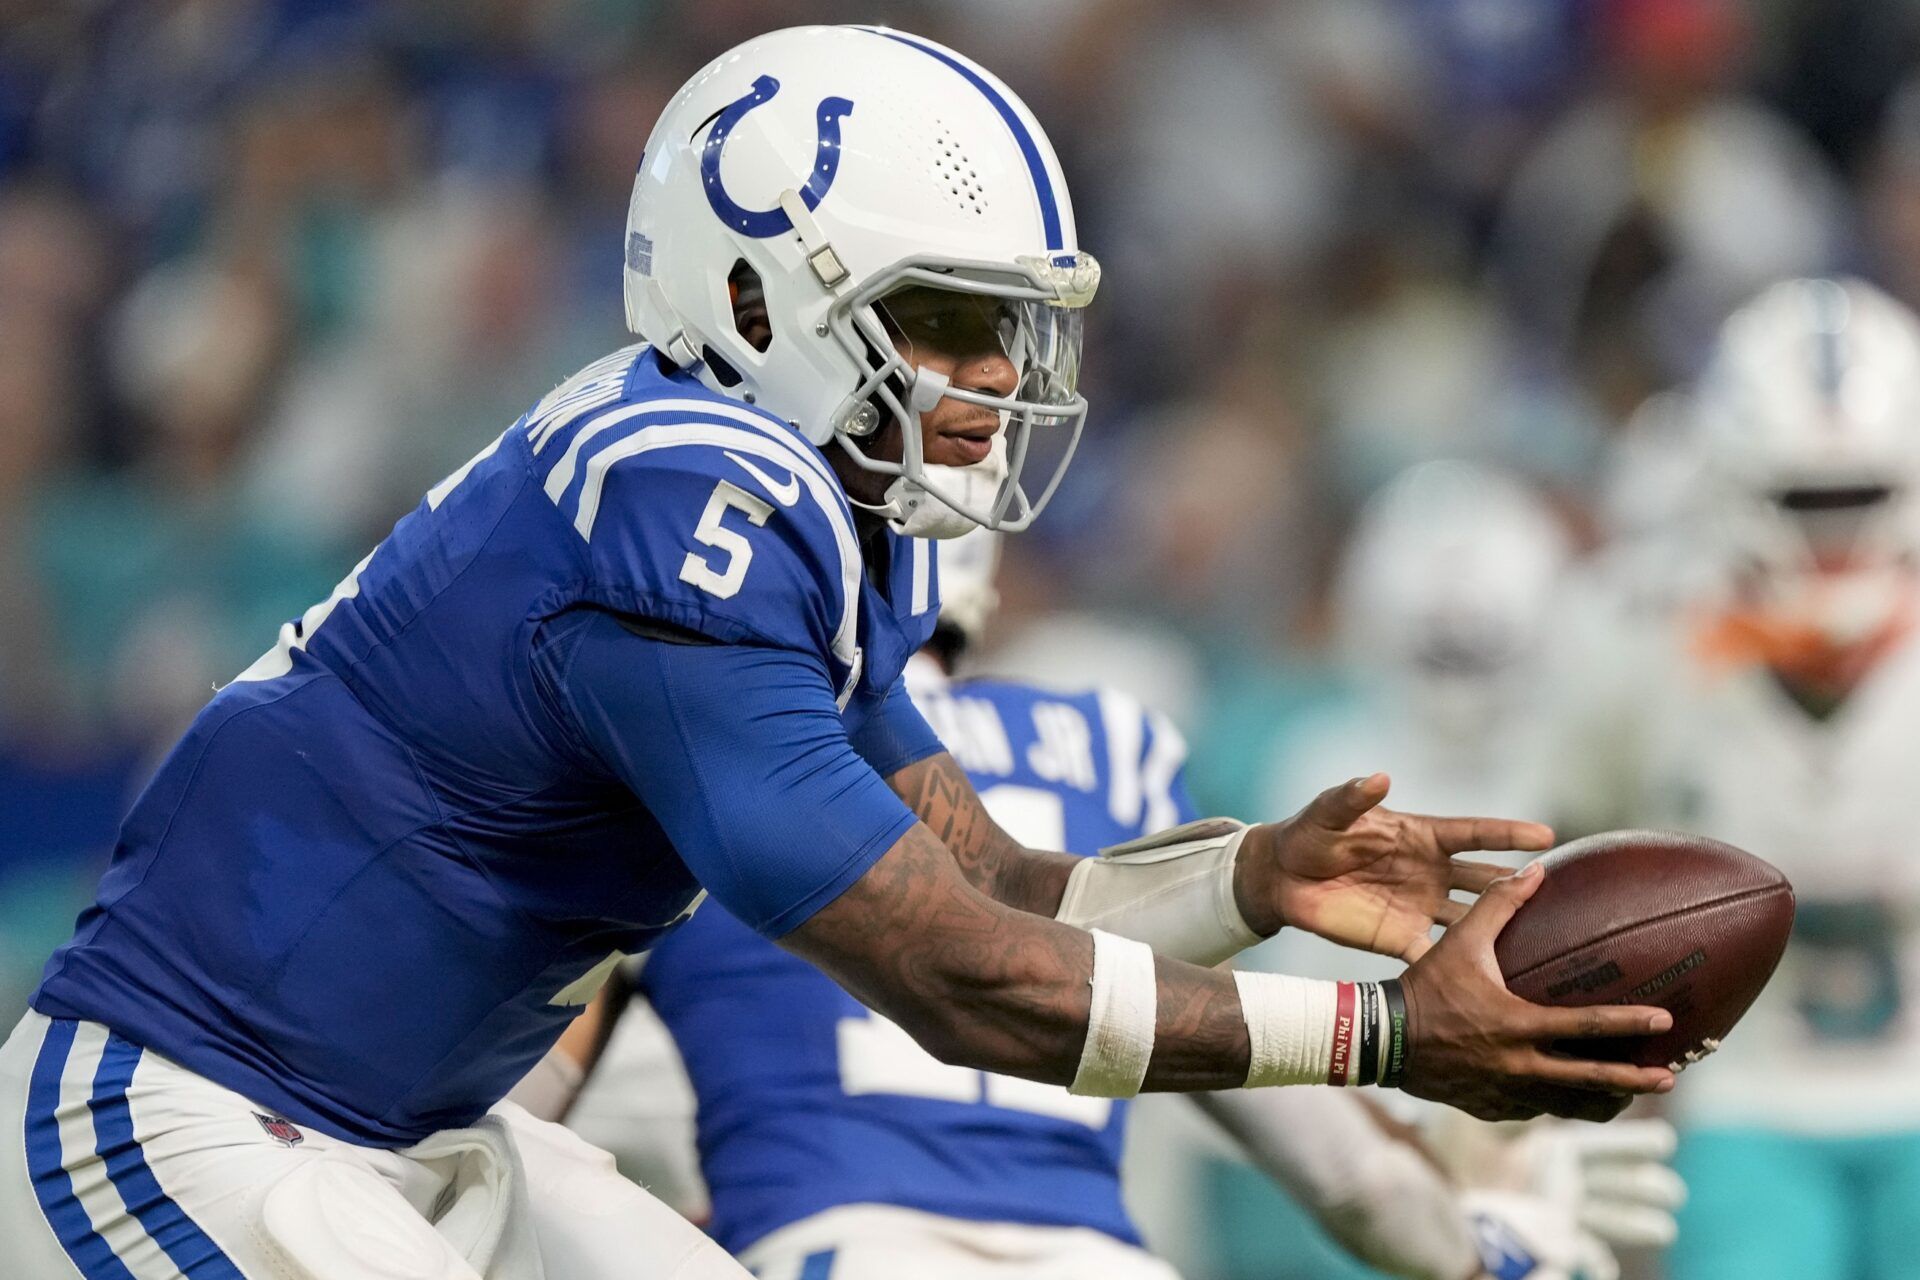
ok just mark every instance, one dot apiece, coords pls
pixel 1305 1031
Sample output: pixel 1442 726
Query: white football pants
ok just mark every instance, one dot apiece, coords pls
pixel 117 1164
pixel 882 1242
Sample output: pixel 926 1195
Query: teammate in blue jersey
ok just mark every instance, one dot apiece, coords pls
pixel 645 647
pixel 832 1147
pixel 809 1101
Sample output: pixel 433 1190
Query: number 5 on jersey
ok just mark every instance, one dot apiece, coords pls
pixel 711 532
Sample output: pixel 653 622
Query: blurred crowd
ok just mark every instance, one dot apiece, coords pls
pixel 269 268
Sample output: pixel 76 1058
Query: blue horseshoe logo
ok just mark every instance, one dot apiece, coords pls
pixel 761 223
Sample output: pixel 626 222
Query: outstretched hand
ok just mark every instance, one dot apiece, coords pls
pixel 1368 877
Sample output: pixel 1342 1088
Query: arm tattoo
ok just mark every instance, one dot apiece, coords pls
pixel 985 985
pixel 942 795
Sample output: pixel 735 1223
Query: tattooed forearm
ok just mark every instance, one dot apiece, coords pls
pixel 939 791
pixel 983 985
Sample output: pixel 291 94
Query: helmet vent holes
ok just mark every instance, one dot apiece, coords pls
pixel 954 171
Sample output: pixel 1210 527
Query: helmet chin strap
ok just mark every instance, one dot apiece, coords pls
pixel 911 506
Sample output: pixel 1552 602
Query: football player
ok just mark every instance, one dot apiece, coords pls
pixel 1444 608
pixel 835 1148
pixel 1777 706
pixel 644 647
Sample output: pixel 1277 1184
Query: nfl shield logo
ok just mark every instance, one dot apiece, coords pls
pixel 281 1131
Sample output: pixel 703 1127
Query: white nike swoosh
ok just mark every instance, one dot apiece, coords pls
pixel 785 494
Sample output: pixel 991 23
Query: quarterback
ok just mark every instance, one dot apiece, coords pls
pixel 647 646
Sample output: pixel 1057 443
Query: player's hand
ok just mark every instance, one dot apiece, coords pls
pixel 1368 877
pixel 1474 1045
pixel 1529 1237
pixel 1617 1180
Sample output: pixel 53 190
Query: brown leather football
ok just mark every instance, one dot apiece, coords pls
pixel 1655 918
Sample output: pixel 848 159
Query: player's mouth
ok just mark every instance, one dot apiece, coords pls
pixel 969 445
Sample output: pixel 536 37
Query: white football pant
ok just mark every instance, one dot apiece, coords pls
pixel 117 1164
pixel 882 1242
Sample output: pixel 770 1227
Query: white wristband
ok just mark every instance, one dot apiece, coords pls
pixel 1113 1062
pixel 1296 1031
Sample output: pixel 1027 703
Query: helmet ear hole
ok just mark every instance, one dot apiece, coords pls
pixel 725 374
pixel 750 315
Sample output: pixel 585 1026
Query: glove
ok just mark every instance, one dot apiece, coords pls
pixel 1615 1177
pixel 1528 1237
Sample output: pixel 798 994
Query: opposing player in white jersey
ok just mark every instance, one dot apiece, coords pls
pixel 1445 610
pixel 1442 603
pixel 1778 707
pixel 647 646
pixel 836 1149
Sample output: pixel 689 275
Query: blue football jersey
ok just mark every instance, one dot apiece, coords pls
pixel 381 872
pixel 808 1100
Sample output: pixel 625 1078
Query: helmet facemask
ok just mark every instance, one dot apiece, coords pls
pixel 1032 310
pixel 1835 560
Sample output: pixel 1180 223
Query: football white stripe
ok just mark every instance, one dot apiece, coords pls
pixel 564 470
pixel 594 386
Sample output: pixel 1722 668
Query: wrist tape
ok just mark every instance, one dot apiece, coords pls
pixel 1304 1031
pixel 1120 1021
pixel 1172 890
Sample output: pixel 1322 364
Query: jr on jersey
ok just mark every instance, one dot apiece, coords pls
pixel 809 1101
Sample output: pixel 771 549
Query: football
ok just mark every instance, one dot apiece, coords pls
pixel 1689 924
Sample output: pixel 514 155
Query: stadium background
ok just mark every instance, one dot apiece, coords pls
pixel 268 268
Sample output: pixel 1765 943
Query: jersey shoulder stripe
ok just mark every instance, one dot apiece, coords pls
pixel 646 450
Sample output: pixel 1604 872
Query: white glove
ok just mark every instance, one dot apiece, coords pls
pixel 1528 1236
pixel 1616 1177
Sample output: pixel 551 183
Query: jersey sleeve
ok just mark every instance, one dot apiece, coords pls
pixel 896 735
pixel 722 530
pixel 739 752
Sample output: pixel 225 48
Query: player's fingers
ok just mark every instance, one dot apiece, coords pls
pixel 1338 808
pixel 1629 1142
pixel 1629 1226
pixel 1648 1185
pixel 1474 877
pixel 1493 908
pixel 1459 835
pixel 1596 1077
pixel 1594 1260
pixel 1450 912
pixel 1419 946
pixel 1599 1022
pixel 1576 1104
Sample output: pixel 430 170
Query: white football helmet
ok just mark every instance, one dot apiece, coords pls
pixel 830 167
pixel 1447 586
pixel 1808 421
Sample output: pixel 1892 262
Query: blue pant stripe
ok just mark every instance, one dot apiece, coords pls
pixel 191 1250
pixel 52 1185
pixel 817 1266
